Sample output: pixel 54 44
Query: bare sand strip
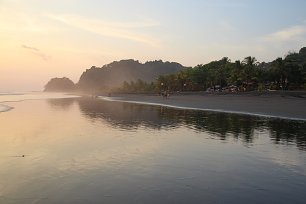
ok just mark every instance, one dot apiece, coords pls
pixel 276 106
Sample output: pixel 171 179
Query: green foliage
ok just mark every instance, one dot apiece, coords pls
pixel 247 75
pixel 114 74
pixel 281 74
pixel 137 87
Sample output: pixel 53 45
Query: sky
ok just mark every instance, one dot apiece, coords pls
pixel 42 39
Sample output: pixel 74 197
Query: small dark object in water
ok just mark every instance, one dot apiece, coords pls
pixel 23 155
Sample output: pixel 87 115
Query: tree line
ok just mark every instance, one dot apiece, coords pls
pixel 288 73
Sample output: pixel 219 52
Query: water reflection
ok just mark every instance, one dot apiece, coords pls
pixel 288 132
pixel 125 115
pixel 61 103
pixel 221 125
pixel 92 151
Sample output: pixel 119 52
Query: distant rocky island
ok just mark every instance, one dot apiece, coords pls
pixel 114 75
pixel 60 85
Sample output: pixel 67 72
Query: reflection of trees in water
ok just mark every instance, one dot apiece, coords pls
pixel 124 115
pixel 132 116
pixel 219 124
pixel 288 132
pixel 241 126
pixel 61 103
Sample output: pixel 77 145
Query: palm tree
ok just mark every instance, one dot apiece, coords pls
pixel 249 65
pixel 281 73
pixel 236 76
pixel 251 61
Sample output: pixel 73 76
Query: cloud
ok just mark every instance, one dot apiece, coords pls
pixel 110 29
pixel 36 52
pixel 20 21
pixel 30 48
pixel 288 34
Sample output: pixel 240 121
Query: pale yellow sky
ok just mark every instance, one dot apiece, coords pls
pixel 55 38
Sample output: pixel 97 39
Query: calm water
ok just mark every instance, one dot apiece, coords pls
pixel 82 150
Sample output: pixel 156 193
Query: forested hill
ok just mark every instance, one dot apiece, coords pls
pixel 115 73
pixel 60 85
pixel 288 73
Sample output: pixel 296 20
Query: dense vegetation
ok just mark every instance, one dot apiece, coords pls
pixel 288 73
pixel 223 75
pixel 114 74
pixel 59 85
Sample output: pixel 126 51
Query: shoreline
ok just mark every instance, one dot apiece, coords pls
pixel 264 105
pixel 15 98
pixel 5 108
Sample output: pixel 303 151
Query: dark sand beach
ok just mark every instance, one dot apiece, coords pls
pixel 279 105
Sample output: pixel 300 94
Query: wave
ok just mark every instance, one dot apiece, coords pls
pixel 5 108
pixel 10 93
pixel 119 99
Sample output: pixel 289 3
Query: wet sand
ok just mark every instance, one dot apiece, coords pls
pixel 283 106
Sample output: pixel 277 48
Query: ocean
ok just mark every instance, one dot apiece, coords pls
pixel 57 148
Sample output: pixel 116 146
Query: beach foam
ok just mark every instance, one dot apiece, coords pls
pixel 120 99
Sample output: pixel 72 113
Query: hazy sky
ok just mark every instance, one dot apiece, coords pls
pixel 40 39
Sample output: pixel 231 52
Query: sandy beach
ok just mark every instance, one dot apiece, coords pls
pixel 286 106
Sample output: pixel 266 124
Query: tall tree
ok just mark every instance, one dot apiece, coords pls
pixel 249 67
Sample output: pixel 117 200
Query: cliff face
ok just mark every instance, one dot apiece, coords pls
pixel 115 73
pixel 59 85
